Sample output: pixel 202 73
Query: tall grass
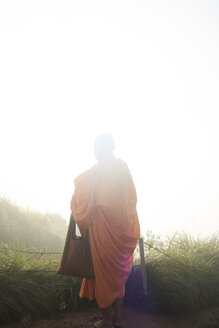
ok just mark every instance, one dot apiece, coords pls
pixel 29 285
pixel 183 282
pixel 187 279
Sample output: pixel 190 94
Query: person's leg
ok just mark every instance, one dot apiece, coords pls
pixel 106 322
pixel 117 312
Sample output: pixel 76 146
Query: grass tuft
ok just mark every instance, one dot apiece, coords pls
pixel 188 279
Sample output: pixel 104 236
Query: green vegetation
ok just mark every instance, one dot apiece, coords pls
pixel 29 285
pixel 28 282
pixel 183 282
pixel 187 280
pixel 31 229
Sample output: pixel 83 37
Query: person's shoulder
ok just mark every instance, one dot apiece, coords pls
pixel 124 169
pixel 85 176
pixel 122 163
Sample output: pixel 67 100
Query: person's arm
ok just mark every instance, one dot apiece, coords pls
pixel 83 201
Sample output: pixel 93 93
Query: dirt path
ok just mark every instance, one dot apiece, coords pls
pixel 134 317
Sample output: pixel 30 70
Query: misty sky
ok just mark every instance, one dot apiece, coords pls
pixel 146 71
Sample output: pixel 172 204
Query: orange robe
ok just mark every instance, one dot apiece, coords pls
pixel 105 202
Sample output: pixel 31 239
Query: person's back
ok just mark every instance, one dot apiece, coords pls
pixel 104 202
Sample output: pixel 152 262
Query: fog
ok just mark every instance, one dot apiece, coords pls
pixel 146 71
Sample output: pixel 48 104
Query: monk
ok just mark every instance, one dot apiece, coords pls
pixel 104 202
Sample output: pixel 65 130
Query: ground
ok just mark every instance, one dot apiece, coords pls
pixel 135 317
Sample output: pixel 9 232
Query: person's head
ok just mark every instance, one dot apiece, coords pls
pixel 104 146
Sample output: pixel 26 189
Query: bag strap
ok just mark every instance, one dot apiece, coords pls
pixel 73 229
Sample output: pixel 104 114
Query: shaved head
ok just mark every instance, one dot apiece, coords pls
pixel 104 146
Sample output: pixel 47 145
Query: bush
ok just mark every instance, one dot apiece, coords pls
pixel 186 280
pixel 29 285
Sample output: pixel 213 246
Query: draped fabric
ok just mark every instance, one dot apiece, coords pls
pixel 104 202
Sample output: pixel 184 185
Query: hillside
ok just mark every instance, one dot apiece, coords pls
pixel 20 227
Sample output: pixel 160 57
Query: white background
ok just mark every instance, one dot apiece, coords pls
pixel 146 71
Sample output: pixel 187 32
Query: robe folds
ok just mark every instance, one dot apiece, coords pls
pixel 104 202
